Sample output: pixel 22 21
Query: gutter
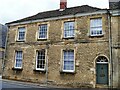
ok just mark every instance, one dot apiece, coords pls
pixel 47 47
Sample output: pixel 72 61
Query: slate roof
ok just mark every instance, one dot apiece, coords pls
pixel 57 13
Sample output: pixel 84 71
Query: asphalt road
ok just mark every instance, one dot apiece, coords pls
pixel 6 84
pixel 17 85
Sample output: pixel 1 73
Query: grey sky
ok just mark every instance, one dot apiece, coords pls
pixel 11 10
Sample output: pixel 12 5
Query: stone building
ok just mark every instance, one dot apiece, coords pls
pixel 115 40
pixel 73 47
pixel 3 33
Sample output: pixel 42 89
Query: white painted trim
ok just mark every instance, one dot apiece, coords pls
pixel 36 61
pixel 100 56
pixel 62 28
pixel 15 60
pixel 63 62
pixel 101 63
pixel 17 38
pixel 39 29
pixel 89 31
pixel 61 17
pixel 96 35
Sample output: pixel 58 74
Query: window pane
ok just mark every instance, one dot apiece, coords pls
pixel 43 31
pixel 40 59
pixel 18 59
pixel 68 60
pixel 21 34
pixel 69 29
pixel 96 26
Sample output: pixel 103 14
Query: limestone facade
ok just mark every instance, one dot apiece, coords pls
pixel 86 50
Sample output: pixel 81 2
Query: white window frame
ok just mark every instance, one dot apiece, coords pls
pixel 39 30
pixel 97 25
pixel 73 34
pixel 19 34
pixel 16 59
pixel 102 61
pixel 69 71
pixel 37 60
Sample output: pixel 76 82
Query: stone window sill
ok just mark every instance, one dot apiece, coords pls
pixel 96 35
pixel 43 71
pixel 20 40
pixel 39 39
pixel 65 72
pixel 18 69
pixel 68 37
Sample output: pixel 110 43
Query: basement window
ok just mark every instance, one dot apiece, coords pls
pixel 40 60
pixel 96 27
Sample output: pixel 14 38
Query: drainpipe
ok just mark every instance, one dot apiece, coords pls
pixel 110 49
pixel 47 47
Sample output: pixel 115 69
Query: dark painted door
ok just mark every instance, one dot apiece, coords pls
pixel 102 73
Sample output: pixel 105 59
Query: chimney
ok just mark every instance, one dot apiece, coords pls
pixel 114 4
pixel 63 4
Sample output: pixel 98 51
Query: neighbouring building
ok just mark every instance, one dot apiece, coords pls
pixel 3 33
pixel 115 40
pixel 72 47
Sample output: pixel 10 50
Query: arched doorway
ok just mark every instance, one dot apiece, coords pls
pixel 102 70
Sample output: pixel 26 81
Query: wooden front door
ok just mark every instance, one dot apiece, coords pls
pixel 102 71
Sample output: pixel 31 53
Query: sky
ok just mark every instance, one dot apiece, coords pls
pixel 11 10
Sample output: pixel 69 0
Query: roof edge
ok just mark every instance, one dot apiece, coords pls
pixel 102 11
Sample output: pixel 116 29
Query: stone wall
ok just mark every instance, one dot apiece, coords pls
pixel 86 50
pixel 115 28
